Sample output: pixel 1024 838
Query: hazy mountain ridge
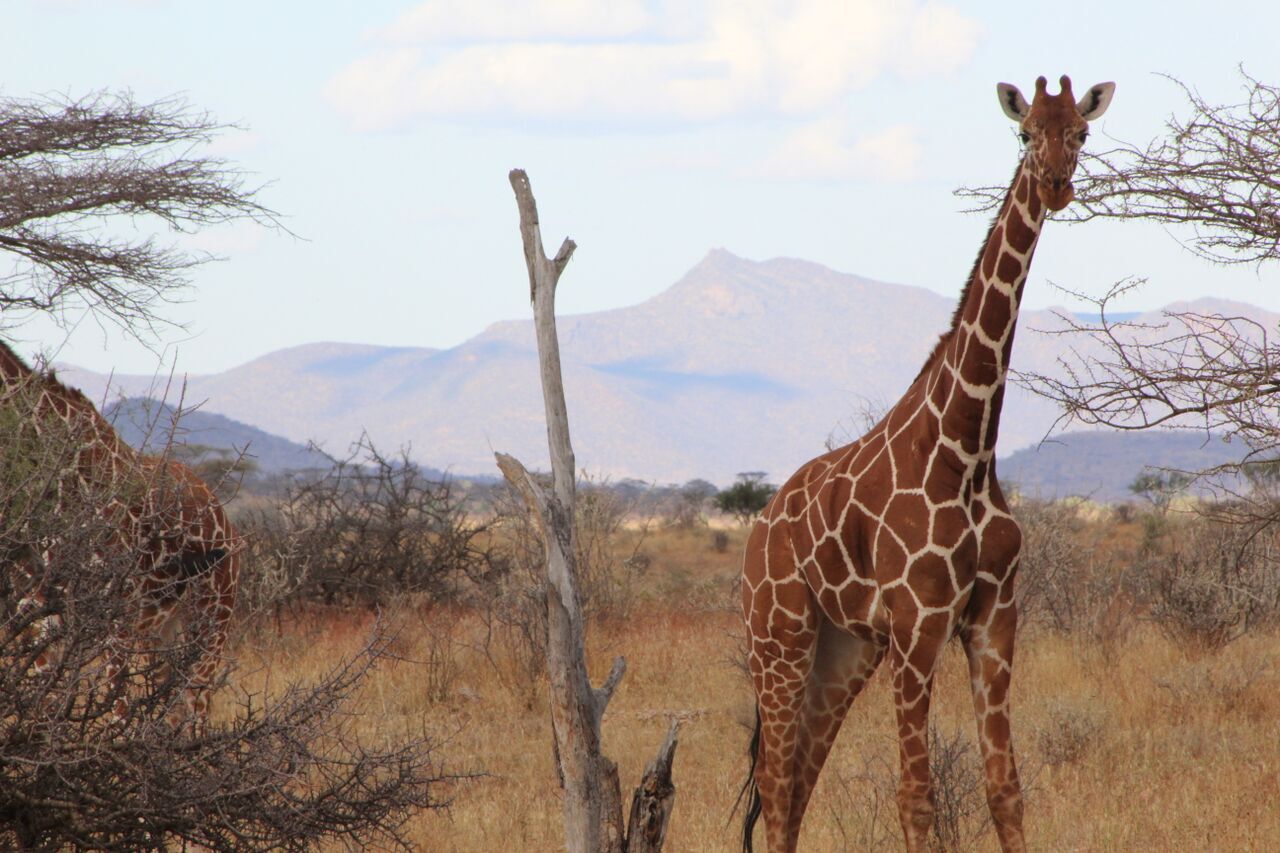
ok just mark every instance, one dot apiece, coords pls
pixel 152 427
pixel 739 365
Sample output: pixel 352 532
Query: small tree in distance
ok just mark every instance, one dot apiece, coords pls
pixel 746 497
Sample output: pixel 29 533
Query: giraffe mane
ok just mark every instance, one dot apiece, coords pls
pixel 945 337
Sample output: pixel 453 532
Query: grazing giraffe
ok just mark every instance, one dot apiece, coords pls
pixel 902 539
pixel 186 548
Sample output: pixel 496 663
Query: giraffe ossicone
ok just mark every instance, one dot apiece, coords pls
pixel 895 543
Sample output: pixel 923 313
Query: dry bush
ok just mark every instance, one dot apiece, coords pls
pixel 89 761
pixel 1212 583
pixel 513 600
pixel 865 813
pixel 1231 685
pixel 960 815
pixel 1073 731
pixel 369 529
pixel 1066 585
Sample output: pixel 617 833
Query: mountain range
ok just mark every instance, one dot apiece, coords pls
pixel 740 365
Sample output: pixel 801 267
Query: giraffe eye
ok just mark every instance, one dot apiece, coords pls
pixel 1024 137
pixel 1084 134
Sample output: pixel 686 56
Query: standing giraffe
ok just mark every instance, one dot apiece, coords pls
pixel 902 539
pixel 164 513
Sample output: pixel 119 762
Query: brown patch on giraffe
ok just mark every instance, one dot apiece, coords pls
pixel 989 257
pixel 1019 234
pixel 945 475
pixel 875 485
pixel 1034 207
pixel 996 728
pixel 996 312
pixel 940 388
pixel 1009 269
pixel 930 579
pixel 950 523
pixel 1001 542
pixel 828 553
pixel 980 476
pixel 912 526
pixel 979 510
pixel 978 364
pixel 993 422
pixel 855 602
pixel 1022 188
pixel 832 499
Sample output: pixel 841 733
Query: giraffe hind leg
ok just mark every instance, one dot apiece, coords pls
pixel 843 664
pixel 780 659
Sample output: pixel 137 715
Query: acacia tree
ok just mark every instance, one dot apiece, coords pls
pixel 81 182
pixel 78 175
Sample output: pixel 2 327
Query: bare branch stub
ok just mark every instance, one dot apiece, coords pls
pixel 592 795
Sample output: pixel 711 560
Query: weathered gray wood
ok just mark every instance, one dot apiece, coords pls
pixel 653 800
pixel 592 794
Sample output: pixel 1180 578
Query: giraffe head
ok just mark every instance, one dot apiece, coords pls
pixel 1053 128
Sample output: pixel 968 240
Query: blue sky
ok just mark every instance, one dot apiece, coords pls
pixel 831 130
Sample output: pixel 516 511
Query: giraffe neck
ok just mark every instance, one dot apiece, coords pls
pixel 966 376
pixel 13 370
pixel 68 405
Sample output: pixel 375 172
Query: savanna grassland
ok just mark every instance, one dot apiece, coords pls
pixel 1135 731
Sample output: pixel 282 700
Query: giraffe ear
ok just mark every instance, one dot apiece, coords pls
pixel 1012 102
pixel 1095 101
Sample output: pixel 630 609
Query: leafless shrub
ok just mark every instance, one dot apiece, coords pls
pixel 514 603
pixel 1234 685
pixel 94 760
pixel 439 631
pixel 960 815
pixel 1213 583
pixel 1065 582
pixel 1073 730
pixel 864 810
pixel 370 528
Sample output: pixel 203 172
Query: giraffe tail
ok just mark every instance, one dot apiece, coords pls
pixel 750 791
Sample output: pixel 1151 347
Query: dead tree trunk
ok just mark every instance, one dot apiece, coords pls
pixel 592 796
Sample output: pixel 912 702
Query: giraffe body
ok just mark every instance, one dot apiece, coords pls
pixel 891 545
pixel 163 515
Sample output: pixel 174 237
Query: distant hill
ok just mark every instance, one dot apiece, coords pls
pixel 148 425
pixel 1101 465
pixel 739 366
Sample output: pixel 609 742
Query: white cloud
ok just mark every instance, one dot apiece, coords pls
pixel 592 60
pixel 444 21
pixel 826 150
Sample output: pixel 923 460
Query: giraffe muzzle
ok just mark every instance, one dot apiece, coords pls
pixel 1056 193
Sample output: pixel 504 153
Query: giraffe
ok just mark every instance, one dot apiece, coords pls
pixel 893 544
pixel 164 514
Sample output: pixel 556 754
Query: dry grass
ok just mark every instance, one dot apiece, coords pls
pixel 1138 747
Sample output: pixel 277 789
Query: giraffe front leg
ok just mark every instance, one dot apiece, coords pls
pixel 914 649
pixel 988 644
